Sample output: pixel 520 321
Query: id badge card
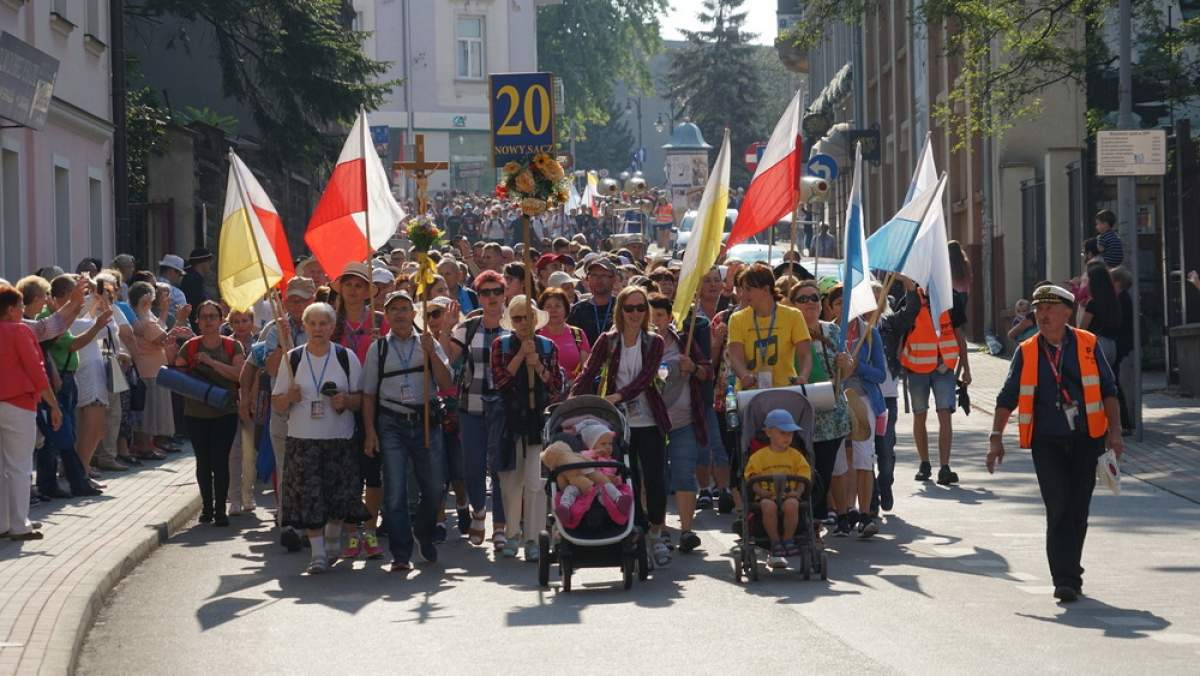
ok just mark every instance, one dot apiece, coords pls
pixel 765 380
pixel 1071 412
pixel 634 407
pixel 317 409
pixel 407 392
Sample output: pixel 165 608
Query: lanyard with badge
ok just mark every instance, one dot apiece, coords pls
pixel 408 393
pixel 602 327
pixel 762 347
pixel 1064 403
pixel 317 407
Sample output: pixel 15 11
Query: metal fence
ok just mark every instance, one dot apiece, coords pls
pixel 1033 231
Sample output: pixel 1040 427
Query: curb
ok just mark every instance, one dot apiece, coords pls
pixel 84 602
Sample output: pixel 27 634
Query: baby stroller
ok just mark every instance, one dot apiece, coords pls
pixel 597 542
pixel 812 558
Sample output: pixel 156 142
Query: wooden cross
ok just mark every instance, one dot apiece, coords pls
pixel 419 169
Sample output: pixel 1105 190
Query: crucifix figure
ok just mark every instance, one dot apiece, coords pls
pixel 420 170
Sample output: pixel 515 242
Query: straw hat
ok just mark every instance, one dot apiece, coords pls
pixel 517 304
pixel 860 416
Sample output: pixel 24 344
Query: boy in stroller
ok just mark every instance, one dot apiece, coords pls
pixel 779 457
pixel 578 488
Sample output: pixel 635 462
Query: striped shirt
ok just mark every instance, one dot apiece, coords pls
pixel 479 352
pixel 1111 248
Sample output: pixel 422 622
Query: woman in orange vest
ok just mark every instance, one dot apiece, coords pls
pixel 1066 401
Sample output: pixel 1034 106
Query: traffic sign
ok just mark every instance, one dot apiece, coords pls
pixel 753 155
pixel 1141 152
pixel 824 166
pixel 522 112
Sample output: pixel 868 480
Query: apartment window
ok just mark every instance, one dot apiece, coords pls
pixel 96 215
pixel 92 27
pixel 10 214
pixel 62 216
pixel 469 32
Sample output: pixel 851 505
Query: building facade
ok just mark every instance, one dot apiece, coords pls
pixel 56 182
pixel 442 52
pixel 897 74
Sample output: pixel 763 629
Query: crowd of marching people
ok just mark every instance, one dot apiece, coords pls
pixel 369 407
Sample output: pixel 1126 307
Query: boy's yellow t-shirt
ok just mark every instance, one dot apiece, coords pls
pixel 773 345
pixel 767 461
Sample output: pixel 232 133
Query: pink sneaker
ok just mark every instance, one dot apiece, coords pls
pixel 374 551
pixel 353 547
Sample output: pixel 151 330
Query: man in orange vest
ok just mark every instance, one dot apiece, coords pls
pixel 934 361
pixel 1066 401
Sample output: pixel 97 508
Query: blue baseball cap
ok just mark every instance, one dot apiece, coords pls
pixel 781 420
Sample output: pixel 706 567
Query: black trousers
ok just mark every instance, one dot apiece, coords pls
pixel 825 453
pixel 648 462
pixel 1066 473
pixel 211 441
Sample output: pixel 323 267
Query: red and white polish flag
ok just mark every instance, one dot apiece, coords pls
pixel 358 187
pixel 773 190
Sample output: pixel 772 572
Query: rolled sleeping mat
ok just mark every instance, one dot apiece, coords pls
pixel 186 385
pixel 820 395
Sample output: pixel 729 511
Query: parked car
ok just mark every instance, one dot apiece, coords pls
pixel 684 232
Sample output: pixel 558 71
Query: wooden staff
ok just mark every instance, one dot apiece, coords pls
pixel 687 350
pixel 529 369
pixel 425 357
pixel 362 118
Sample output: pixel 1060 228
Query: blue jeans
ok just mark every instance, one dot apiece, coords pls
pixel 60 444
pixel 400 443
pixel 481 437
pixel 885 455
pixel 682 451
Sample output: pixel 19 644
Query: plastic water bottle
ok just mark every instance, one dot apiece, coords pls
pixel 663 371
pixel 731 413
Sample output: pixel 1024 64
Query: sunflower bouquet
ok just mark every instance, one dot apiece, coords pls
pixel 536 184
pixel 424 234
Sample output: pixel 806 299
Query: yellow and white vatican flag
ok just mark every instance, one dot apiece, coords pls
pixel 705 243
pixel 253 254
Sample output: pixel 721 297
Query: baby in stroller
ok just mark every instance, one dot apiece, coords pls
pixel 775 458
pixel 579 488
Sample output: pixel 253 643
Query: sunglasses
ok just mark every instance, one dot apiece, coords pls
pixel 815 298
pixel 636 308
pixel 492 291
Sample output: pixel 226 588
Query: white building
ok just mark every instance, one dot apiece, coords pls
pixel 454 45
pixel 56 201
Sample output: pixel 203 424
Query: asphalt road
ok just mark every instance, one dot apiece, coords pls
pixel 956 584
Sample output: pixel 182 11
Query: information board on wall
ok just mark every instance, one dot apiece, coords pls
pixel 1138 152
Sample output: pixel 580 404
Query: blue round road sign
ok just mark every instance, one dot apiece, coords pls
pixel 824 166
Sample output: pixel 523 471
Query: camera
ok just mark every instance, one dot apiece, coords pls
pixel 329 388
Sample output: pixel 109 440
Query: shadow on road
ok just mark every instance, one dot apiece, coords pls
pixel 1090 613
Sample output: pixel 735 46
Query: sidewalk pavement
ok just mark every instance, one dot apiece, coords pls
pixel 51 589
pixel 1168 456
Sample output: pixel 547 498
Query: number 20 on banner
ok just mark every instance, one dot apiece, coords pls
pixel 522 112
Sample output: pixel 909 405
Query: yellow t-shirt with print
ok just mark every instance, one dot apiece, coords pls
pixel 770 347
pixel 767 461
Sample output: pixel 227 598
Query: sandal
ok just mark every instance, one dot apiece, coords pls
pixel 475 531
pixel 499 540
pixel 662 556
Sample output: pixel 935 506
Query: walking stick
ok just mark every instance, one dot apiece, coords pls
pixel 529 369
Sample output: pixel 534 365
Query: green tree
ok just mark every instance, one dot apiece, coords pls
pixel 607 146
pixel 146 128
pixel 592 44
pixel 717 77
pixel 293 63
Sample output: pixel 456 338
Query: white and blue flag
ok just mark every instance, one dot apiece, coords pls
pixel 857 297
pixel 913 243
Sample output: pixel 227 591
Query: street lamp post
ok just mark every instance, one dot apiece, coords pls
pixel 630 105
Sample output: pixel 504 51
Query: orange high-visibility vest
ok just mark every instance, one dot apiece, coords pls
pixel 923 346
pixel 1093 405
pixel 664 213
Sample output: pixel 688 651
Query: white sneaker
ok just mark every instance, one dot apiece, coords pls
pixel 775 561
pixel 235 507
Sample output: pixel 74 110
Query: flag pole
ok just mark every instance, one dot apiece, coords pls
pixel 363 133
pixel 529 369
pixel 262 268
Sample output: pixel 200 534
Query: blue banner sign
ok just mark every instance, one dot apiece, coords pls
pixel 522 112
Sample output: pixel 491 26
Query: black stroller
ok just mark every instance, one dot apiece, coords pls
pixel 597 542
pixel 812 558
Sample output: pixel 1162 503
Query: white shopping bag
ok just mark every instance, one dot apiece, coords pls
pixel 1108 472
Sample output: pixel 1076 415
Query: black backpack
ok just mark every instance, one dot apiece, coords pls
pixel 343 359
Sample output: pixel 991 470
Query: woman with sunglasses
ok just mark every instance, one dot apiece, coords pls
pixel 481 412
pixel 218 360
pixel 520 457
pixel 625 361
pixel 829 427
